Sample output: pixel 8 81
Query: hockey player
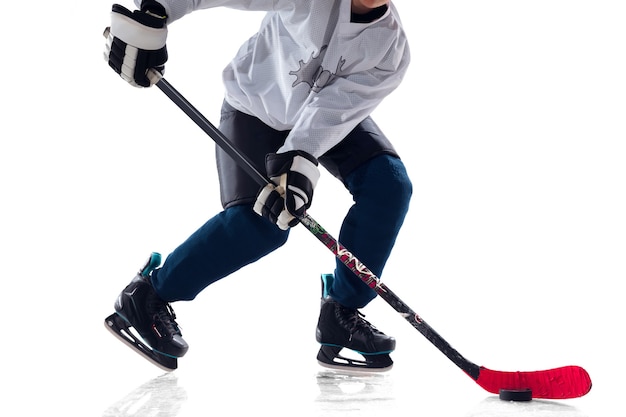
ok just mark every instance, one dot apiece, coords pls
pixel 299 94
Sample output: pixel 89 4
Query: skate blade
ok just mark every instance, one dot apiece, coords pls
pixel 121 330
pixel 329 357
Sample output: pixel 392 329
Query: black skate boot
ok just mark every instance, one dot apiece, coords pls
pixel 341 327
pixel 140 308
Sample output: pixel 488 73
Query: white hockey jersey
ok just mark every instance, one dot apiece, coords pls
pixel 309 69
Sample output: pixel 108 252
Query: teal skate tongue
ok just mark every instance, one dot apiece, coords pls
pixel 327 282
pixel 151 264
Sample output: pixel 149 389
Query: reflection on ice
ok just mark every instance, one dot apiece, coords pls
pixel 159 397
pixel 494 407
pixel 341 392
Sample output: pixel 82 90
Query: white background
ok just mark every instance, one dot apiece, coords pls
pixel 511 122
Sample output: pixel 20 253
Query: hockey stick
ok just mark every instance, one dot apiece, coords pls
pixel 558 383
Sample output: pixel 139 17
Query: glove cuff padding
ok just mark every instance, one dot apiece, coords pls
pixel 139 29
pixel 302 162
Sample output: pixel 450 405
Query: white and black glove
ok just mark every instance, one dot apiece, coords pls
pixel 136 42
pixel 293 176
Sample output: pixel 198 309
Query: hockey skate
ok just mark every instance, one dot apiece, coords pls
pixel 340 327
pixel 145 322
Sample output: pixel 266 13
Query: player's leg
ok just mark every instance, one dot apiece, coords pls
pixel 381 191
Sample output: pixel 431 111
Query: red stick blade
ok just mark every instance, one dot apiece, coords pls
pixel 557 383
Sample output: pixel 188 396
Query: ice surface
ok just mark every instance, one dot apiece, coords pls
pixel 323 393
pixel 495 407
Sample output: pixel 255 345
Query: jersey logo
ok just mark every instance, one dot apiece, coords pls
pixel 314 74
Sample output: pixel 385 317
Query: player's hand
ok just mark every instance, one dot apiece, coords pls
pixel 136 43
pixel 293 176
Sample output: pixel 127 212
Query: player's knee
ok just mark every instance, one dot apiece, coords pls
pixel 396 187
pixel 403 184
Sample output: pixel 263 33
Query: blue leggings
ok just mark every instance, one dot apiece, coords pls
pixel 237 236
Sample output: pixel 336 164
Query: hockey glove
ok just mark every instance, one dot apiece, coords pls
pixel 136 43
pixel 294 175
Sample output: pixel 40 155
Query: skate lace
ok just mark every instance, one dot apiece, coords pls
pixel 164 314
pixel 354 322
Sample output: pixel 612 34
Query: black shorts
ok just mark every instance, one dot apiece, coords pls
pixel 255 139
